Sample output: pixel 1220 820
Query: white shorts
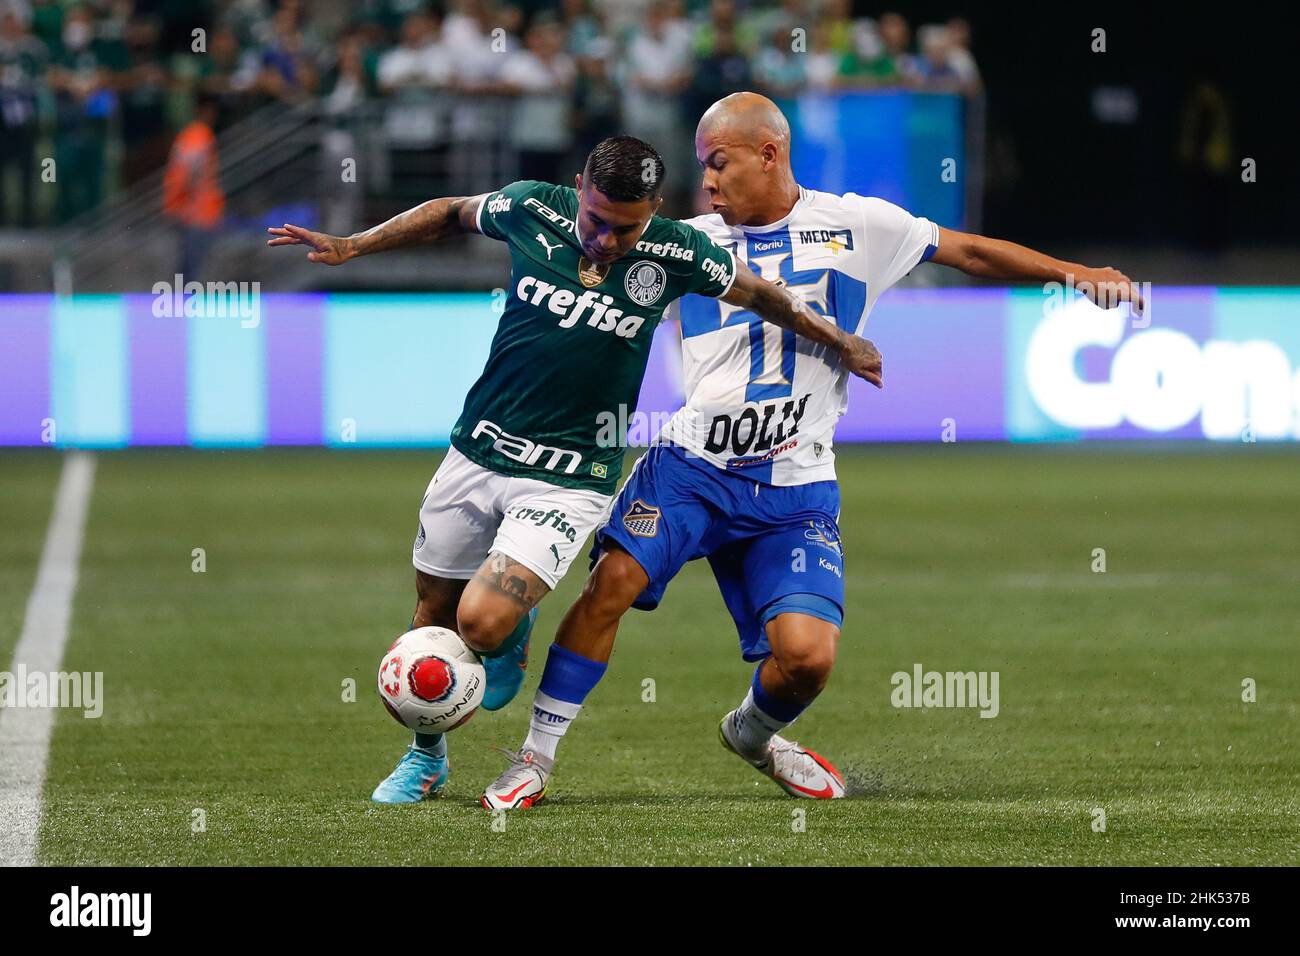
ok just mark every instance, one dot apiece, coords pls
pixel 469 511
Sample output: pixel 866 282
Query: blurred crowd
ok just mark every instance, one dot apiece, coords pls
pixel 107 84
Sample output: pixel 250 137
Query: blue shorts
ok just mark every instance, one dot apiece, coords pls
pixel 772 549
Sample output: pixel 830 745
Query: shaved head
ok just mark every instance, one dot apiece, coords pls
pixel 743 143
pixel 748 118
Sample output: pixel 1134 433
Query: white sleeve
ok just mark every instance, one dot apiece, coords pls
pixel 897 242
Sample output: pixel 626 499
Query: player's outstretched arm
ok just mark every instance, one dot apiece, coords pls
pixel 427 222
pixel 780 306
pixel 997 259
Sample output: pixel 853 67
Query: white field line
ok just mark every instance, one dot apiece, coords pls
pixel 25 731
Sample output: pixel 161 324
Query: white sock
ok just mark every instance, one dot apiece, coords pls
pixel 550 721
pixel 752 728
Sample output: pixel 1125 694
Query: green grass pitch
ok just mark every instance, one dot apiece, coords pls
pixel 224 690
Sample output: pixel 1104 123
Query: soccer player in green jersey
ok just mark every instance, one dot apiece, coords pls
pixel 527 477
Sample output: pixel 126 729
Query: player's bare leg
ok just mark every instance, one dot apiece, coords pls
pixel 591 624
pixel 575 663
pixel 803 654
pixel 495 617
pixel 436 601
pixel 495 600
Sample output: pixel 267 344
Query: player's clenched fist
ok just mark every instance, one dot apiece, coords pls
pixel 861 357
pixel 331 250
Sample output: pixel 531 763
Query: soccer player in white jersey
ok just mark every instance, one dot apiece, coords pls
pixel 744 474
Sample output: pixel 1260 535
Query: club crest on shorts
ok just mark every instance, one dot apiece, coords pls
pixel 642 519
pixel 824 535
pixel 645 282
pixel 419 537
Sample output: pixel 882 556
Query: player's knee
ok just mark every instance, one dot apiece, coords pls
pixel 809 670
pixel 484 626
pixel 807 660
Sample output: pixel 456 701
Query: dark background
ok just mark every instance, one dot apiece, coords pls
pixel 1045 141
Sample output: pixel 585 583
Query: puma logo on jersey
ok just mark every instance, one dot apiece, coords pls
pixel 524 451
pixel 748 432
pixel 571 307
pixel 549 248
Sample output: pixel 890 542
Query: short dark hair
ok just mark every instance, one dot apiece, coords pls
pixel 625 169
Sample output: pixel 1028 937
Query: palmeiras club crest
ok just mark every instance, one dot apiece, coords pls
pixel 645 282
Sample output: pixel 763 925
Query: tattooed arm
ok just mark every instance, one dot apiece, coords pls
pixel 782 307
pixel 427 222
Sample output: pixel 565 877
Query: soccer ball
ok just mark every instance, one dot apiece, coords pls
pixel 431 681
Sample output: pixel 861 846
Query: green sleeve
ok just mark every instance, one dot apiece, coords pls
pixel 498 210
pixel 714 266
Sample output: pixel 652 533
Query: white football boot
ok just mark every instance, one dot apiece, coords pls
pixel 797 770
pixel 522 785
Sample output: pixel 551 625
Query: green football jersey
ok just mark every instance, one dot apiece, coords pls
pixel 572 344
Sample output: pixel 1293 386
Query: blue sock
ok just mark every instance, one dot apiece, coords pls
pixel 781 710
pixel 759 716
pixel 568 676
pixel 567 679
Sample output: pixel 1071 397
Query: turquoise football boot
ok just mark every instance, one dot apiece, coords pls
pixel 420 775
pixel 506 672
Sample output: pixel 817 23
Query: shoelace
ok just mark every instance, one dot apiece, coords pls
pixel 799 764
pixel 519 766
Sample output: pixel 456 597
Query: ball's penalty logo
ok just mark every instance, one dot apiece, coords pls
pixel 642 519
pixel 645 282
pixel 590 274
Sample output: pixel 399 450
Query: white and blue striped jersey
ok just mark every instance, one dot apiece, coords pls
pixel 760 401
